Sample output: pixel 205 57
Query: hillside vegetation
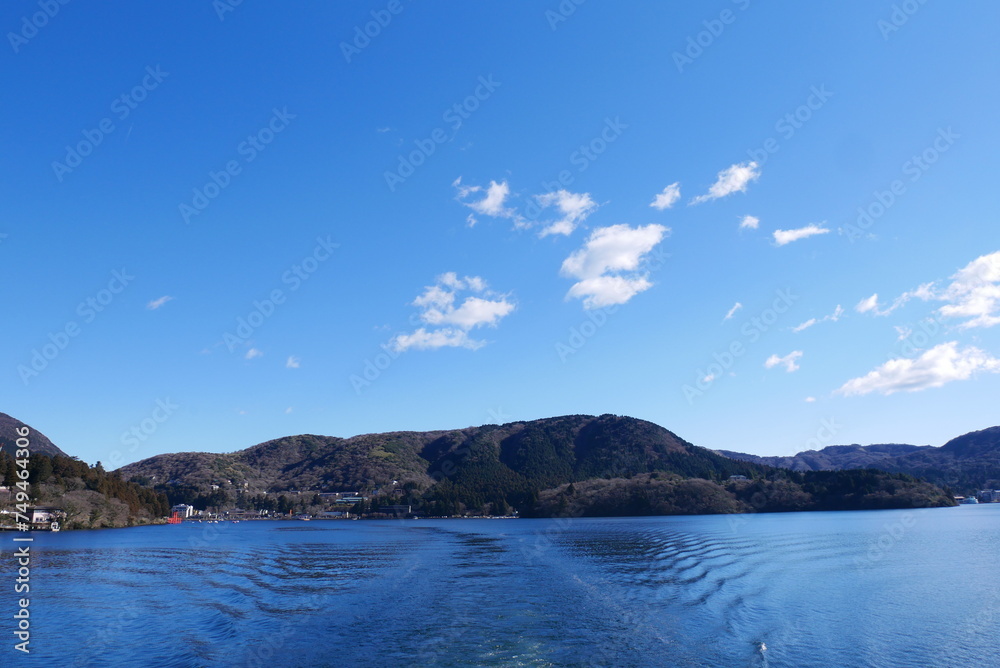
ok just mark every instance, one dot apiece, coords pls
pixel 91 497
pixel 965 464
pixel 522 466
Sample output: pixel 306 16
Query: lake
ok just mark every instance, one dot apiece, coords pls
pixel 886 588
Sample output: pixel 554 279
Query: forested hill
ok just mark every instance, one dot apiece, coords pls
pixel 539 453
pixel 89 497
pixel 38 442
pixel 966 464
pixel 488 469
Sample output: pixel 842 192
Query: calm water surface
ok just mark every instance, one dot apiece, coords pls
pixel 890 588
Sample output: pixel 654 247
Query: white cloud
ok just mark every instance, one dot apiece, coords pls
pixel 604 291
pixel 708 378
pixel 869 304
pixel 974 293
pixel 450 323
pixel 490 204
pixel 731 312
pixel 941 364
pixel 805 325
pixel 422 339
pixel 288 410
pixel 733 179
pixel 749 223
pixel 292 362
pixel 607 267
pixel 833 317
pixel 253 353
pixel 667 197
pixel 574 207
pixel 473 312
pixel 810 400
pixel 157 303
pixel 789 361
pixel 782 237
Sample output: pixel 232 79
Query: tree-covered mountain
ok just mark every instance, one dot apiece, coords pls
pixel 38 442
pixel 492 469
pixel 780 491
pixel 966 464
pixel 89 496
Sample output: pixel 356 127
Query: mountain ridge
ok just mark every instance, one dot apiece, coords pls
pixel 966 463
pixel 39 442
pixel 492 469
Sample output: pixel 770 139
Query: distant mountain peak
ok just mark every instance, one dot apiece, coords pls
pixel 39 442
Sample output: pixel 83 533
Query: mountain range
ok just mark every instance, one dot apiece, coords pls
pixel 536 467
pixel 574 464
pixel 966 464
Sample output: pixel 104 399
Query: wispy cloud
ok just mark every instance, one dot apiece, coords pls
pixel 789 361
pixel 833 317
pixel 451 319
pixel 749 223
pixel 607 268
pixel 491 203
pixel 973 295
pixel 872 305
pixel 573 207
pixel 733 179
pixel 782 237
pixel 667 197
pixel 253 353
pixel 731 312
pixel 157 303
pixel 292 362
pixel 938 366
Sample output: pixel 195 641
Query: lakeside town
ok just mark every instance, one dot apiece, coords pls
pixel 350 505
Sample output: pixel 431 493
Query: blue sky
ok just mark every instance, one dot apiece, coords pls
pixel 490 212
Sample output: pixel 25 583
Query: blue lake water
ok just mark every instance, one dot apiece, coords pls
pixel 888 588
